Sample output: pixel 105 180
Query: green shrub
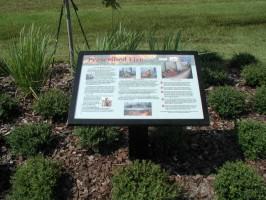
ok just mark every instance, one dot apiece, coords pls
pixel 213 69
pixel 36 180
pixel 237 181
pixel 227 102
pixel 28 60
pixel 252 138
pixel 119 39
pixel 52 104
pixel 29 139
pixel 143 180
pixel 260 100
pixel 97 138
pixel 242 59
pixel 3 68
pixel 8 107
pixel 214 74
pixel 254 75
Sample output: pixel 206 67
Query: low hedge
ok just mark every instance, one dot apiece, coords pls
pixel 36 180
pixel 29 139
pixel 252 138
pixel 143 180
pixel 9 107
pixel 242 59
pixel 227 102
pixel 254 75
pixel 97 138
pixel 237 181
pixel 53 104
pixel 260 100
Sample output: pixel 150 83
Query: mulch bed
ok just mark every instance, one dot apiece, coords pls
pixel 88 176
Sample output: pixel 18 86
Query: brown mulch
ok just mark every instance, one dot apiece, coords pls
pixel 88 176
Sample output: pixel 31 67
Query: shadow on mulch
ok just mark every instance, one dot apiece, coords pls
pixel 5 175
pixel 64 187
pixel 201 153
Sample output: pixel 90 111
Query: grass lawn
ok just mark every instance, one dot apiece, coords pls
pixel 224 26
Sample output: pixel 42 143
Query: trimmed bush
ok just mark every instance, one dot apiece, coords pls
pixel 29 139
pixel 52 104
pixel 227 102
pixel 242 59
pixel 252 138
pixel 254 75
pixel 36 179
pixel 29 59
pixel 237 181
pixel 213 69
pixel 143 180
pixel 3 68
pixel 8 107
pixel 260 100
pixel 97 138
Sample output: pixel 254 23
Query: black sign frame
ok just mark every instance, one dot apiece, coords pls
pixel 129 122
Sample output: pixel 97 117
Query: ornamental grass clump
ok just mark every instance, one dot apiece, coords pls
pixel 29 139
pixel 252 138
pixel 260 100
pixel 9 107
pixel 120 39
pixel 227 102
pixel 237 181
pixel 28 60
pixel 3 68
pixel 52 104
pixel 36 179
pixel 254 75
pixel 240 60
pixel 143 180
pixel 97 138
pixel 170 41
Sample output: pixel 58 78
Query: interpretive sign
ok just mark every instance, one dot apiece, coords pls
pixel 141 88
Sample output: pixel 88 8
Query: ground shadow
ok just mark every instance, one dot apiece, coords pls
pixel 201 153
pixel 64 187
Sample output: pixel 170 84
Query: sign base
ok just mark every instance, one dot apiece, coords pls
pixel 138 142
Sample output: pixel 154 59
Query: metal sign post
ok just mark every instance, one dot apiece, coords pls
pixel 69 32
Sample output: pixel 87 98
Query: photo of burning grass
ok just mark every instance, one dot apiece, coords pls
pixel 148 72
pixel 138 109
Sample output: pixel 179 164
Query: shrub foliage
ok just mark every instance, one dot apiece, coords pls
pixel 242 59
pixel 8 107
pixel 36 179
pixel 237 181
pixel 227 102
pixel 52 104
pixel 143 180
pixel 260 100
pixel 29 139
pixel 252 138
pixel 213 69
pixel 97 138
pixel 28 60
pixel 254 75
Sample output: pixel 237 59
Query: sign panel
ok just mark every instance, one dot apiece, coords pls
pixel 125 88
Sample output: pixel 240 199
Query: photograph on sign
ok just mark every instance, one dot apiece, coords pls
pixel 147 86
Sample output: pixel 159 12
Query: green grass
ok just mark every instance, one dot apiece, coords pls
pixel 224 26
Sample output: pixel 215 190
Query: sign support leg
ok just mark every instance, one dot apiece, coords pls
pixel 70 33
pixel 138 142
